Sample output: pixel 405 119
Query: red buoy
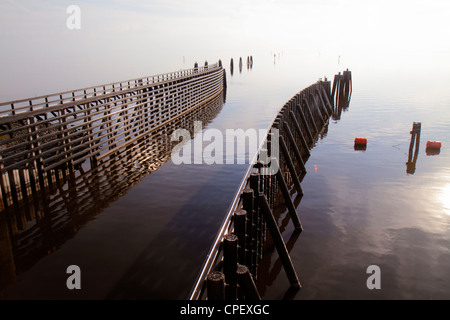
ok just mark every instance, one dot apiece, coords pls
pixel 433 148
pixel 433 144
pixel 360 141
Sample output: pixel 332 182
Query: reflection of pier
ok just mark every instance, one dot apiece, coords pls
pixel 341 93
pixel 46 200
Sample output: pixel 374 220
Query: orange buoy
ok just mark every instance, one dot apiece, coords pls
pixel 360 144
pixel 433 148
pixel 433 144
pixel 360 141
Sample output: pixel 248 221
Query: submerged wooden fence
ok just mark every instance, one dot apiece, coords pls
pixel 64 130
pixel 230 269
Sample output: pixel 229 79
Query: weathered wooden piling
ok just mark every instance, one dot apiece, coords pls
pixel 248 204
pixel 246 284
pixel 240 229
pixel 230 262
pixel 216 285
pixel 279 242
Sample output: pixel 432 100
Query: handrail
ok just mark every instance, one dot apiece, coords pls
pixel 114 86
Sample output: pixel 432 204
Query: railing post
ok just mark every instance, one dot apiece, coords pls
pixel 240 227
pixel 246 284
pixel 290 165
pixel 248 204
pixel 215 285
pixel 230 247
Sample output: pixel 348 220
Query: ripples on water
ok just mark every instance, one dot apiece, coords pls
pixel 360 207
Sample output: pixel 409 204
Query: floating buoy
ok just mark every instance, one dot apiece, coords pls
pixel 433 148
pixel 360 143
pixel 433 144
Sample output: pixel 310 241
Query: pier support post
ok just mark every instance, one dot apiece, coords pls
pixel 230 247
pixel 248 204
pixel 279 242
pixel 295 148
pixel 300 134
pixel 240 228
pixel 215 285
pixel 246 284
pixel 290 165
pixel 287 199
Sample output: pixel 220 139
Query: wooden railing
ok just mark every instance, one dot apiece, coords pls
pixel 66 129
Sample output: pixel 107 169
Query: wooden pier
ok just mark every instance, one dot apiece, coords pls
pixel 64 161
pixel 84 127
pixel 230 270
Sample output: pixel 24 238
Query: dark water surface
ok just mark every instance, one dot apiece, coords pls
pixel 359 208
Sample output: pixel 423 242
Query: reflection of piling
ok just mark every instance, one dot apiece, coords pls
pixel 341 92
pixel 240 64
pixel 231 66
pixel 415 140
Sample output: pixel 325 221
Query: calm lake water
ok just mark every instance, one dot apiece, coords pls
pixel 359 208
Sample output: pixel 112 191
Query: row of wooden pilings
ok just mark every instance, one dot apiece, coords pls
pixel 240 64
pixel 231 269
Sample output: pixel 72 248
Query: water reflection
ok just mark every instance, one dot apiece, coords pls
pixel 341 93
pixel 36 227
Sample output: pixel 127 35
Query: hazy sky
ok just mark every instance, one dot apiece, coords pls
pixel 122 39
